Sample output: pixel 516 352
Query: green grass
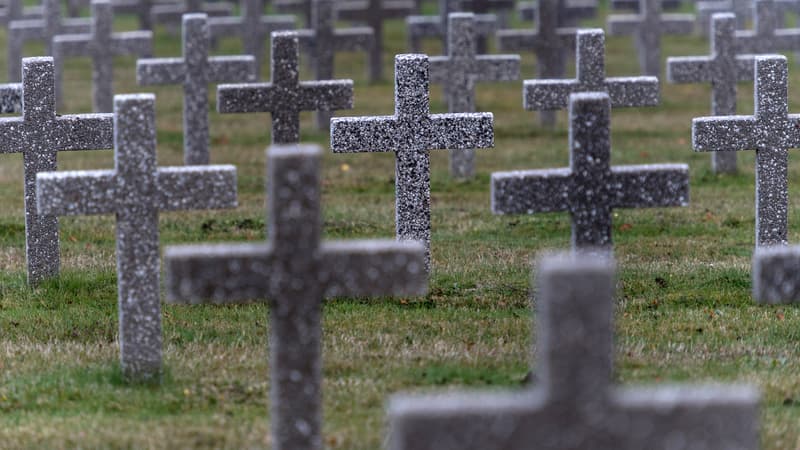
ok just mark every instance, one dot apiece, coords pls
pixel 684 312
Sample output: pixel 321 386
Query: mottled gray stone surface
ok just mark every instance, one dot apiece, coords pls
pixel 101 45
pixel 39 134
pixel 42 30
pixel 549 42
pixel 723 68
pixel 574 404
pixel 410 133
pixel 767 36
pixel 420 27
pixel 647 27
pixel 771 131
pixel 136 190
pixel 295 272
pixel 10 98
pixel 374 13
pixel 705 9
pixel 459 71
pixel 776 274
pixel 194 72
pixel 285 96
pixel 590 188
pixel 252 27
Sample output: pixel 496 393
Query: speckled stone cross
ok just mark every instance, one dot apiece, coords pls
pixel 574 404
pixel 136 190
pixel 771 131
pixel 101 45
pixel 195 70
pixel 767 36
pixel 285 96
pixel 39 135
pixel 420 27
pixel 459 71
pixel 723 68
pixel 410 133
pixel 294 271
pixel 590 188
pixel 647 27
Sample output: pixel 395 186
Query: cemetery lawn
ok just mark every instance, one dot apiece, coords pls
pixel 684 311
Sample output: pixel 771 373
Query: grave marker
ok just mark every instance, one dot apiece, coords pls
pixel 767 36
pixel 171 14
pixel 420 27
pixel 571 12
pixel 705 9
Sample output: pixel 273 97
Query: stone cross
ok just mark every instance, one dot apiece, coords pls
pixel 410 133
pixel 771 131
pixel 101 45
pixel 195 70
pixel 775 274
pixel 139 8
pixel 51 24
pixel 295 271
pixel 419 27
pixel 300 7
pixel 15 10
pixel 285 96
pixel 590 188
pixel 170 14
pixel 459 71
pixel 705 9
pixel 136 190
pixel 723 68
pixel 39 134
pixel 648 26
pixel 502 9
pixel 571 12
pixel 574 404
pixel 374 13
pixel 252 27
pixel 550 43
pixel 767 36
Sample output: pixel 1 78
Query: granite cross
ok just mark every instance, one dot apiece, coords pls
pixel 39 134
pixel 374 13
pixel 459 71
pixel 410 133
pixel 294 271
pixel 101 45
pixel 705 9
pixel 170 14
pixel 285 96
pixel 419 27
pixel 252 27
pixel 766 35
pixel 136 190
pixel 775 274
pixel 771 131
pixel 723 69
pixel 550 43
pixel 575 405
pixel 590 188
pixel 195 70
pixel 648 26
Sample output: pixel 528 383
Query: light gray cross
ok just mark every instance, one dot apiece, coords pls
pixel 420 27
pixel 101 45
pixel 195 70
pixel 459 71
pixel 775 274
pixel 170 14
pixel 294 271
pixel 575 405
pixel 723 69
pixel 39 135
pixel 590 187
pixel 411 133
pixel 767 36
pixel 771 131
pixel 252 27
pixel 647 27
pixel 136 190
pixel 285 96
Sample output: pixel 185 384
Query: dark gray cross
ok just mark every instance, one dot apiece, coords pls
pixel 574 404
pixel 420 27
pixel 705 9
pixel 775 274
pixel 647 27
pixel 767 35
pixel 502 9
pixel 571 12
pixel 136 190
pixel 294 272
pixel 410 133
pixel 252 27
pixel 301 7
pixel 101 45
pixel 723 68
pixel 39 135
pixel 51 24
pixel 285 96
pixel 459 71
pixel 170 14
pixel 549 42
pixel 195 70
pixel 374 13
pixel 771 131
pixel 590 187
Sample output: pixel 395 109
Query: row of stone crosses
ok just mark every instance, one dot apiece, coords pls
pixel 574 404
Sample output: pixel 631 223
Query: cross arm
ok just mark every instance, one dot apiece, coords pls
pixel 277 22
pixel 622 24
pixel 723 133
pixel 76 192
pixel 745 67
pixel 76 25
pixel 515 40
pixel 498 67
pixel 373 268
pixel 632 91
pixel 160 71
pixel 485 24
pixel 352 39
pixel 196 187
pixel 71 44
pixel 650 185
pixel 10 98
pixel 231 69
pixel 459 131
pixel 225 26
pixel 246 98
pixel 132 43
pixel 85 131
pixel 541 95
pixel 325 95
pixel 27 29
pixel 423 26
pixel 530 191
pixel 677 23
pixel 439 69
pixel 12 135
pixel 690 69
pixel 363 134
